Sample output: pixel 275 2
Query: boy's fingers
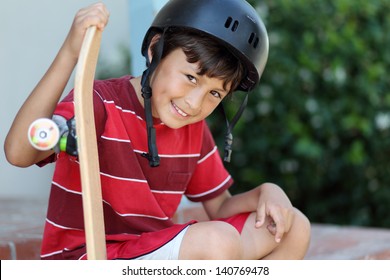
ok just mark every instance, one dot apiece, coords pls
pixel 279 232
pixel 104 15
pixel 94 15
pixel 260 216
pixel 280 227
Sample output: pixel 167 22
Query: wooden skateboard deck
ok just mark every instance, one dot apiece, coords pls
pixel 87 146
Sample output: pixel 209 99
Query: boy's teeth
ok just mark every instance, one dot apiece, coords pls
pixel 179 111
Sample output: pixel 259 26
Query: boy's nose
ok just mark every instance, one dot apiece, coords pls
pixel 194 100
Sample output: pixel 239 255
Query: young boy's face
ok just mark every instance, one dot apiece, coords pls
pixel 181 96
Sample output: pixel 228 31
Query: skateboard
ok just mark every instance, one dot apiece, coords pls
pixel 87 145
pixel 43 134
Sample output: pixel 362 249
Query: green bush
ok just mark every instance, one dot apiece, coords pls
pixel 319 123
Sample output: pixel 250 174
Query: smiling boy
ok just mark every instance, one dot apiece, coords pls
pixel 155 146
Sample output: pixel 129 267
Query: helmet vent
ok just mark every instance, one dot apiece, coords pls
pixel 229 23
pixel 253 40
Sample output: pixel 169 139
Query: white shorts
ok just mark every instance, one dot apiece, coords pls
pixel 169 251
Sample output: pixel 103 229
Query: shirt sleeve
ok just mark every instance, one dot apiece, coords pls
pixel 210 177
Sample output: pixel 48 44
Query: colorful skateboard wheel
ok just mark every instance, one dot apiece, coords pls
pixel 43 134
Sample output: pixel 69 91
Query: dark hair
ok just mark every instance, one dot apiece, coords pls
pixel 215 60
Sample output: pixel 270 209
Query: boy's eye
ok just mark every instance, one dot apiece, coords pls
pixel 216 94
pixel 191 78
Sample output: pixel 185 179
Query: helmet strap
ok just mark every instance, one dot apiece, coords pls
pixel 152 155
pixel 230 126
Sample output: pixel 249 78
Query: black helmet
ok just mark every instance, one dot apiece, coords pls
pixel 235 23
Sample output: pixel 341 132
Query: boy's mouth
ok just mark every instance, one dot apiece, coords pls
pixel 179 111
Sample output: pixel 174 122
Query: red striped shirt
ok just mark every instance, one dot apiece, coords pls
pixel 139 201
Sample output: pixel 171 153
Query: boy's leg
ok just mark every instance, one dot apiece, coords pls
pixel 260 243
pixel 211 240
pixel 221 240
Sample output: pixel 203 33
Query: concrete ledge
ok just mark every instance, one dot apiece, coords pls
pixel 333 242
pixel 21 228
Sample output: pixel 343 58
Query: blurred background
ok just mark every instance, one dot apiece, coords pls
pixel 318 124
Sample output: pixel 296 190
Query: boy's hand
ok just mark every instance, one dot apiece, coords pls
pixel 275 210
pixel 94 15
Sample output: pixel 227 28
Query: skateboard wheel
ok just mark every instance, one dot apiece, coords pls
pixel 43 134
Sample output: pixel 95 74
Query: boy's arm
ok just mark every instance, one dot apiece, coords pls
pixel 44 98
pixel 267 200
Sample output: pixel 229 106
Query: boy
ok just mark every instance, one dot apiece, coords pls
pixel 196 55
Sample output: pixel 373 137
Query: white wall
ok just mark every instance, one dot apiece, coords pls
pixel 31 32
pixel 141 16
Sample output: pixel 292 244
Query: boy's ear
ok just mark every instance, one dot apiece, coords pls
pixel 154 40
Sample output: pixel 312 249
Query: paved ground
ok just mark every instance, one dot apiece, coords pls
pixel 332 242
pixel 21 227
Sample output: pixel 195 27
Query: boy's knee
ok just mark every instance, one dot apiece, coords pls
pixel 302 230
pixel 303 223
pixel 223 241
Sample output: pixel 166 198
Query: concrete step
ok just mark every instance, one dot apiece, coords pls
pixel 21 228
